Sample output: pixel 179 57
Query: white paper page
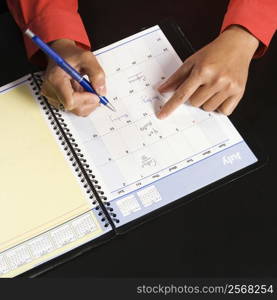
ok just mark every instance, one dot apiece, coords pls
pixel 132 148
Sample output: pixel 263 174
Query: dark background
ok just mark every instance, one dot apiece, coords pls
pixel 230 232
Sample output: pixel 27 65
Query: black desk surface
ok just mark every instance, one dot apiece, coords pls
pixel 228 233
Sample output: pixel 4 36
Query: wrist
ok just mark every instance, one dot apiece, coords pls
pixel 59 46
pixel 61 43
pixel 242 39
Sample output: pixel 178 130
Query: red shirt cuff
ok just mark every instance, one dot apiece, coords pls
pixel 258 17
pixel 58 25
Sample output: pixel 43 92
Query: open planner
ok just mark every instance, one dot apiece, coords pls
pixel 67 180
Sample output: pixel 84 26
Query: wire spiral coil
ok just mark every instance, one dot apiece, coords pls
pixel 75 156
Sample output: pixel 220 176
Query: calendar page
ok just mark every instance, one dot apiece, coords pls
pixel 142 162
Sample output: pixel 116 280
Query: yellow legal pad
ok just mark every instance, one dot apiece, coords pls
pixel 38 189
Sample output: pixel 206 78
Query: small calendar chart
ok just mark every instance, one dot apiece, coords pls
pixel 131 147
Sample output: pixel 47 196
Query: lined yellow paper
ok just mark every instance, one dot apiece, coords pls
pixel 38 189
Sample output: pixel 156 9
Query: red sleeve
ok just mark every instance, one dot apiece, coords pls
pixel 258 16
pixel 49 19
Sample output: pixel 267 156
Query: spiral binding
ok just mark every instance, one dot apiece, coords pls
pixel 81 167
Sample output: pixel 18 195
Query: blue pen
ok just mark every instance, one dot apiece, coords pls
pixel 67 68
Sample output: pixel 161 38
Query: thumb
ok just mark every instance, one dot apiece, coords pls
pixel 96 75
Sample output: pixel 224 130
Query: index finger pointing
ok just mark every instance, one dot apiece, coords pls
pixel 182 94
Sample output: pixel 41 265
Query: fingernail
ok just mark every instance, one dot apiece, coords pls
pixel 161 87
pixel 232 108
pixel 229 112
pixel 101 90
pixel 68 107
pixel 165 82
pixel 161 115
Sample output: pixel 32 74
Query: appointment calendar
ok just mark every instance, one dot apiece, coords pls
pixel 142 162
pixel 68 181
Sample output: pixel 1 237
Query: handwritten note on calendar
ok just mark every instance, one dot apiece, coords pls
pixel 132 148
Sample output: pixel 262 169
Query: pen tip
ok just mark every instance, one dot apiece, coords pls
pixel 111 107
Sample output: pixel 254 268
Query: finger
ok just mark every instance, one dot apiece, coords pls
pixel 51 98
pixel 84 110
pixel 47 90
pixel 176 79
pixel 76 86
pixel 85 98
pixel 215 101
pixel 81 97
pixel 96 74
pixel 202 94
pixel 54 102
pixel 228 106
pixel 63 90
pixel 182 94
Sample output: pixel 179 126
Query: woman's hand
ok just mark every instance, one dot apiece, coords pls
pixel 58 86
pixel 213 78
